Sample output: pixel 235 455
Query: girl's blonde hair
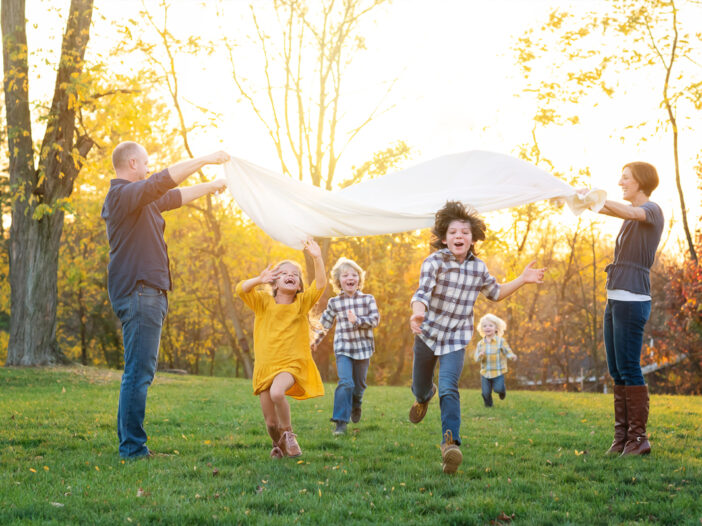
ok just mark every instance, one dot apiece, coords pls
pixel 295 264
pixel 499 323
pixel 337 269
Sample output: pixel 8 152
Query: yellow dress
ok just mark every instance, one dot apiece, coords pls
pixel 282 341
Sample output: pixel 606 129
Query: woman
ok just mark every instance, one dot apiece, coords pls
pixel 629 304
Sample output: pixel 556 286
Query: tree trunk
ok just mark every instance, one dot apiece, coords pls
pixel 325 351
pixel 82 320
pixel 33 276
pixel 37 215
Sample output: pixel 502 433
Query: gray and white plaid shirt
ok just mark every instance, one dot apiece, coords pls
pixel 354 340
pixel 449 290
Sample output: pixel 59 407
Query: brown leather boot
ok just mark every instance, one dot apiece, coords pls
pixel 620 421
pixel 637 414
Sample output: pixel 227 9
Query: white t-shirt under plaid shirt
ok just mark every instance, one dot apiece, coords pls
pixel 354 340
pixel 449 290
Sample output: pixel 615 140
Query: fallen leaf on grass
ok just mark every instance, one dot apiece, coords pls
pixel 57 504
pixel 259 489
pixel 502 518
pixel 215 472
pixel 142 493
pixel 32 470
pixel 578 453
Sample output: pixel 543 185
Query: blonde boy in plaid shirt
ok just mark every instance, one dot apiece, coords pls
pixel 489 352
pixel 356 315
pixel 442 317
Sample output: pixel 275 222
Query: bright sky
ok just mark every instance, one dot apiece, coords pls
pixel 457 89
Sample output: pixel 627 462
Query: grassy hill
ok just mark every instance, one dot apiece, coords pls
pixel 536 458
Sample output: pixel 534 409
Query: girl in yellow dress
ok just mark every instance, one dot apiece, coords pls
pixel 283 363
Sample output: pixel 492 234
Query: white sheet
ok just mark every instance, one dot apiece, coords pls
pixel 291 211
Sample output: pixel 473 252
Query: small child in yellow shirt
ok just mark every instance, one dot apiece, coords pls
pixel 283 361
pixel 489 352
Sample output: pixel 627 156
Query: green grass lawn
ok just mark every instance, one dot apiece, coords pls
pixel 535 458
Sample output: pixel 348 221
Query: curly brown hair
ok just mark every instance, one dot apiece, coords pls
pixel 456 211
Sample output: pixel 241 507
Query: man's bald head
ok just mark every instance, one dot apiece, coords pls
pixel 124 152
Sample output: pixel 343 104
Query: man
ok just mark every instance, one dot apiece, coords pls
pixel 138 275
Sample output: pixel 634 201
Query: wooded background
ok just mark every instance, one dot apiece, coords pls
pixel 54 306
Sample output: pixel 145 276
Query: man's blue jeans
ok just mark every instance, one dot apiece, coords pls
pixel 488 384
pixel 624 323
pixel 352 383
pixel 142 314
pixel 450 368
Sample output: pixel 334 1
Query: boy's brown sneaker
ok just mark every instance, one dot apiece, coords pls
pixel 451 456
pixel 356 415
pixel 419 409
pixel 289 445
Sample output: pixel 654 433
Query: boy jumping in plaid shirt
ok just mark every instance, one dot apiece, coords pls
pixel 489 352
pixel 356 314
pixel 442 317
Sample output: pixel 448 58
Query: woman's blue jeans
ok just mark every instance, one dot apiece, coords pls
pixel 624 323
pixel 488 384
pixel 142 314
pixel 352 383
pixel 450 368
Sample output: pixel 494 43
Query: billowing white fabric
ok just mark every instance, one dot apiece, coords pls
pixel 290 211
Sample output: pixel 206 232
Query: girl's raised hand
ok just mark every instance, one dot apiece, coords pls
pixel 533 275
pixel 269 274
pixel 312 248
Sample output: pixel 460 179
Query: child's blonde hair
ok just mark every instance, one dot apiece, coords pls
pixel 295 264
pixel 499 323
pixel 342 263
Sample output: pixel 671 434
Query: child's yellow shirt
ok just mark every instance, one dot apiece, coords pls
pixel 282 341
